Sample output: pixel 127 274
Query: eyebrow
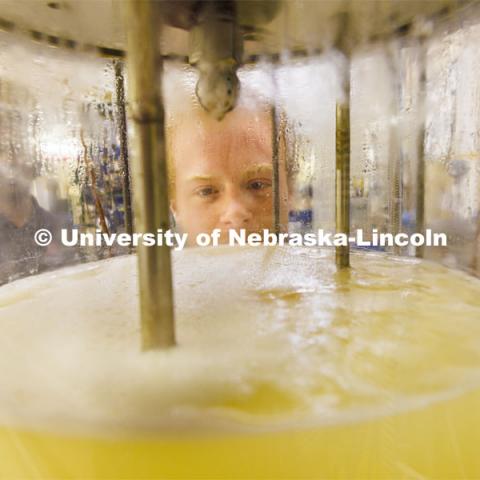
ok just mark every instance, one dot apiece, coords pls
pixel 201 178
pixel 262 168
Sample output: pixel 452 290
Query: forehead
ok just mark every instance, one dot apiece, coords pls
pixel 242 140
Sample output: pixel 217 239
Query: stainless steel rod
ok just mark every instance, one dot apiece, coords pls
pixel 420 201
pixel 276 170
pixel 342 181
pixel 122 125
pixel 148 162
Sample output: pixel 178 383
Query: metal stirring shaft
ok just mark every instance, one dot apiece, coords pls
pixel 149 168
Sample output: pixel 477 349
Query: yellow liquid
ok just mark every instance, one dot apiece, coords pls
pixel 284 369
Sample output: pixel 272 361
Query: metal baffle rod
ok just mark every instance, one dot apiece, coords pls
pixel 122 126
pixel 422 91
pixel 276 170
pixel 148 162
pixel 342 182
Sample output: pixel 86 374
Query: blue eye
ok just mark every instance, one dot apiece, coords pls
pixel 259 185
pixel 206 191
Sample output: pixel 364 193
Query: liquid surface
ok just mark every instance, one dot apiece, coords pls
pixel 268 339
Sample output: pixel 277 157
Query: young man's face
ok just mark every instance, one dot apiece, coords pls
pixel 223 174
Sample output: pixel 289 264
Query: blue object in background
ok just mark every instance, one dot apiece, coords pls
pixel 301 216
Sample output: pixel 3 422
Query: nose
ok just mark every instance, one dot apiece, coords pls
pixel 236 213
